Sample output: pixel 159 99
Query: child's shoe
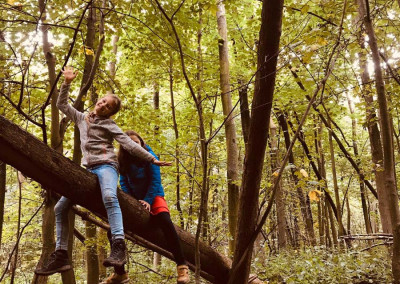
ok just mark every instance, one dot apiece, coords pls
pixel 116 279
pixel 183 274
pixel 58 262
pixel 118 254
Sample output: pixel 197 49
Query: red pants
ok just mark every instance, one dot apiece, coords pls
pixel 159 205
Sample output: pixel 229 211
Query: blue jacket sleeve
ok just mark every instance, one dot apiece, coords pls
pixel 155 187
pixel 124 183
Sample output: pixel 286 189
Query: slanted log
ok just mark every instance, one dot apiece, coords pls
pixel 55 172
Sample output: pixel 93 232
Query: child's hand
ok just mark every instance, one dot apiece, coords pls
pixel 145 204
pixel 69 74
pixel 161 163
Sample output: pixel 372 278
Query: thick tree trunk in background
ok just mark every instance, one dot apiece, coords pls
pixel 304 201
pixel 3 176
pixel 230 129
pixel 375 143
pixel 387 141
pixel 270 32
pixel 279 200
pixel 92 259
pixel 48 221
pixel 59 174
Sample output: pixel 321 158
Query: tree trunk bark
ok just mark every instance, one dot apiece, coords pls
pixel 3 176
pixel 48 222
pixel 387 141
pixel 270 32
pixel 61 175
pixel 244 111
pixel 230 129
pixel 92 260
pixel 375 143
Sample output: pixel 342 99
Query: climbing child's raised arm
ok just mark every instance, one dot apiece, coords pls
pixel 62 102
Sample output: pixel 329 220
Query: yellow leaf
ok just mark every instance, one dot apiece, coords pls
pixel 304 173
pixel 307 57
pixel 89 51
pixel 314 195
pixel 305 9
pixel 10 2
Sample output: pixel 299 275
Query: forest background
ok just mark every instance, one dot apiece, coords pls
pixel 191 78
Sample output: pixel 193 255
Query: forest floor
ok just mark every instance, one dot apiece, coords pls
pixel 321 265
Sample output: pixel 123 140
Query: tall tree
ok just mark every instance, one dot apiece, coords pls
pixel 3 176
pixel 279 197
pixel 270 32
pixel 230 129
pixel 387 139
pixel 48 217
pixel 374 137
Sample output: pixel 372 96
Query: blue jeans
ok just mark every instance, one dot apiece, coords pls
pixel 108 179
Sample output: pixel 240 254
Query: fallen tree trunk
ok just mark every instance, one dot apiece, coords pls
pixel 54 172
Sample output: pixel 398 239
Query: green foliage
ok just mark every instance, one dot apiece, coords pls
pixel 316 265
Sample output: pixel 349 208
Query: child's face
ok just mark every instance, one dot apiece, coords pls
pixel 104 106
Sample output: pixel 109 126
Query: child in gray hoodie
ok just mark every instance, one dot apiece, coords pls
pixel 97 132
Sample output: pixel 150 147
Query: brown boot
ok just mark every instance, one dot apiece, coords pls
pixel 116 279
pixel 183 274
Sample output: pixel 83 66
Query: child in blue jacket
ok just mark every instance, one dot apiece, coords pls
pixel 143 181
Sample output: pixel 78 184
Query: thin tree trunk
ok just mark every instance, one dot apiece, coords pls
pixel 335 185
pixel 333 227
pixel 327 233
pixel 112 64
pixel 321 223
pixel 279 201
pixel 270 32
pixel 3 176
pixel 348 215
pixel 305 205
pixel 230 129
pixel 14 264
pixel 244 110
pixel 366 214
pixel 387 141
pixel 176 131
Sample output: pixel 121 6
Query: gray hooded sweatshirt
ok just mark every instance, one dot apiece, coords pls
pixel 97 135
